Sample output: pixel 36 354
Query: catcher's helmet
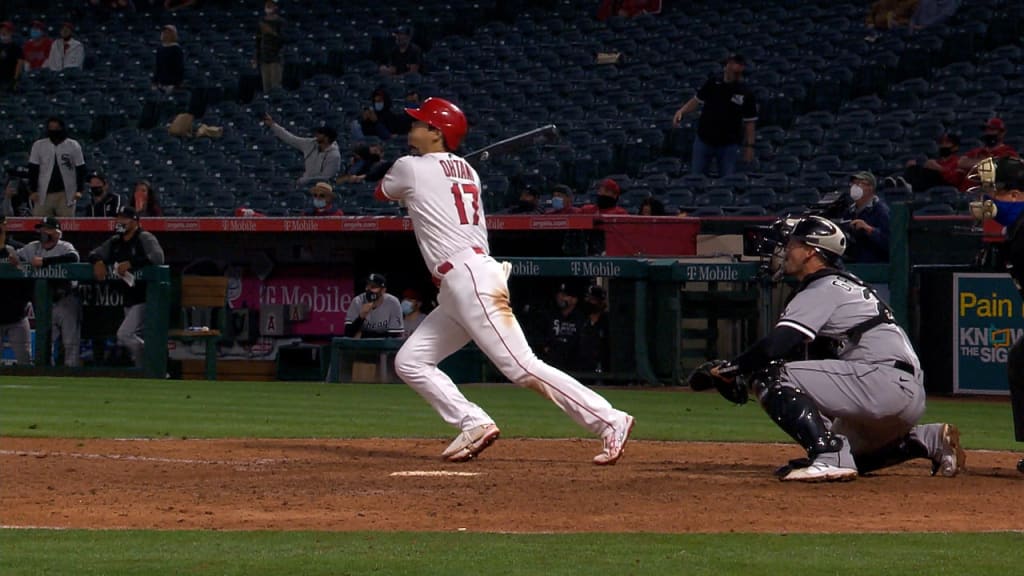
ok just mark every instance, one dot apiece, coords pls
pixel 444 116
pixel 821 234
pixel 996 174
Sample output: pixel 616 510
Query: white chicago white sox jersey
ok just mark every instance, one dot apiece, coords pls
pixel 831 306
pixel 442 194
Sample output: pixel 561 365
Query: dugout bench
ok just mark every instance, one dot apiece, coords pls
pixel 158 291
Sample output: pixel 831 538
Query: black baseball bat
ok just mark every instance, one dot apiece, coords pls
pixel 529 138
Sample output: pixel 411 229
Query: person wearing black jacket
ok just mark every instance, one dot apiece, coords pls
pixel 17 294
pixel 131 249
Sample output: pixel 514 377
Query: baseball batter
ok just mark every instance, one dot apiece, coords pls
pixel 854 413
pixel 442 194
pixel 66 317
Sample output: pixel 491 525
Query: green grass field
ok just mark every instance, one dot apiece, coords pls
pixel 116 408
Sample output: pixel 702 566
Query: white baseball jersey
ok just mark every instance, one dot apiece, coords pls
pixel 442 193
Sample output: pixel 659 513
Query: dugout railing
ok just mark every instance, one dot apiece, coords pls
pixel 157 280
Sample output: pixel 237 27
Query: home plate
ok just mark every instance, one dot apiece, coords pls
pixel 433 473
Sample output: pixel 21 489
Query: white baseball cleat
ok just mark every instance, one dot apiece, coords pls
pixel 820 472
pixel 471 442
pixel 952 459
pixel 615 443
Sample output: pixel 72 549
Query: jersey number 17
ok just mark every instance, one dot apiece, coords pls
pixel 460 191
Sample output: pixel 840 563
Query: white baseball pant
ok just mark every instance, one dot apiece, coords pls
pixel 474 304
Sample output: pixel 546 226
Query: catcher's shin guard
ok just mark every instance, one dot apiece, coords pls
pixel 1015 372
pixel 902 450
pixel 796 414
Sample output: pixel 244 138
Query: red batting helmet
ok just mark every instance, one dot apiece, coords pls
pixel 444 116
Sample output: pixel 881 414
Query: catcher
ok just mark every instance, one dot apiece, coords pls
pixel 1000 182
pixel 853 413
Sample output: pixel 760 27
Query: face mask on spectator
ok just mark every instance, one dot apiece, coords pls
pixel 990 139
pixel 407 307
pixel 856 192
pixel 35 33
pixel 557 203
pixel 378 106
pixel 945 151
pixel 606 202
pixel 96 190
pixel 55 135
pixel 319 203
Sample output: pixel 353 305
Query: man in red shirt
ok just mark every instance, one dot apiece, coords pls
pixel 37 49
pixel 993 146
pixel 942 171
pixel 607 199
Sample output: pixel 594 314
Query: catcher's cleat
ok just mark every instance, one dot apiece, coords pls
pixel 471 442
pixel 820 472
pixel 615 443
pixel 952 459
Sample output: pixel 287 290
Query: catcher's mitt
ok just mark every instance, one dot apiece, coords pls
pixel 732 388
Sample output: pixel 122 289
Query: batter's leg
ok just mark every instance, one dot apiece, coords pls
pixel 416 364
pixel 478 296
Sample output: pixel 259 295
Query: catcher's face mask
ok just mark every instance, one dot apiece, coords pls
pixel 773 245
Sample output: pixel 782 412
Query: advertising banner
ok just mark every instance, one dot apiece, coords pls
pixel 988 318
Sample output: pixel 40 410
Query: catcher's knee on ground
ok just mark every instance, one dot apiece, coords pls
pixel 796 414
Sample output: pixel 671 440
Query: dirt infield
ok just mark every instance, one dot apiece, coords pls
pixel 518 485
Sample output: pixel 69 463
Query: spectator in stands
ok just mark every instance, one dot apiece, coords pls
pixel 66 52
pixel 170 61
pixel 869 222
pixel 593 347
pixel 727 123
pixel 374 313
pixel 37 48
pixel 175 5
pixel 626 8
pixel 12 61
pixel 942 171
pixel 529 202
pixel 405 57
pixel 403 122
pixel 66 320
pixel 890 14
pixel 323 197
pixel 993 145
pixel 14 326
pixel 651 206
pixel 931 13
pixel 104 204
pixel 378 120
pixel 15 200
pixel 57 172
pixel 562 336
pixel 321 153
pixel 270 39
pixel 130 249
pixel 608 193
pixel 561 201
pixel 145 200
pixel 412 316
pixel 365 164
